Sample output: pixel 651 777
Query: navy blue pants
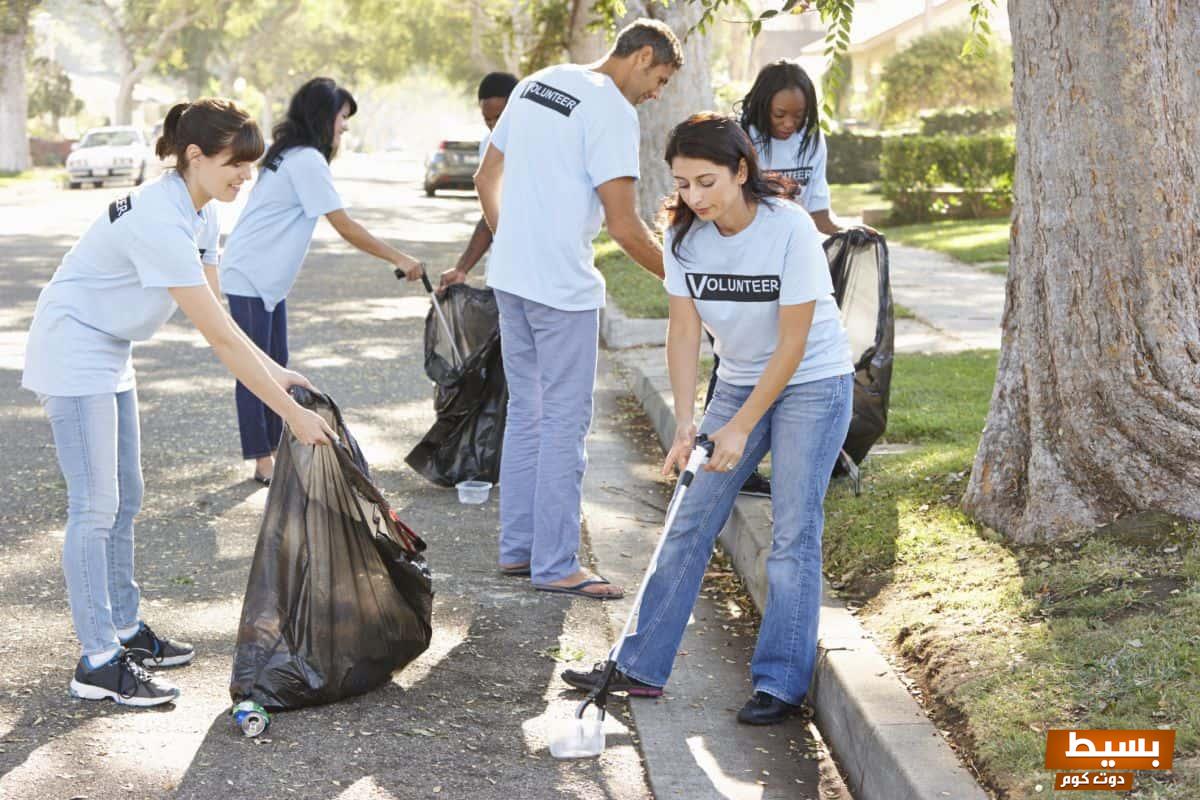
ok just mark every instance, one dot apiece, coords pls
pixel 259 426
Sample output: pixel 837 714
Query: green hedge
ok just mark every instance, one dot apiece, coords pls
pixel 966 121
pixel 917 171
pixel 853 158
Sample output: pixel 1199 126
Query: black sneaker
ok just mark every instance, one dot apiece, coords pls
pixel 146 646
pixel 756 486
pixel 620 682
pixel 765 709
pixel 122 680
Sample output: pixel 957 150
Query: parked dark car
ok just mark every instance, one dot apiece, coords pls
pixel 452 166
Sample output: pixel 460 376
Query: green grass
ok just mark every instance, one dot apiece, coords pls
pixel 637 292
pixel 849 199
pixel 1100 632
pixel 970 240
pixel 9 179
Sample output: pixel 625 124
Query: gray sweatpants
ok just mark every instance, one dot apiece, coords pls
pixel 550 364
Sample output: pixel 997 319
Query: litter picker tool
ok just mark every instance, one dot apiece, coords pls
pixel 581 737
pixel 458 359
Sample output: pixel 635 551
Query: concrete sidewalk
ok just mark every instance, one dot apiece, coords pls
pixel 885 745
pixel 958 306
pixel 692 745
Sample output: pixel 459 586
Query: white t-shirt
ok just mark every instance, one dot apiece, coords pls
pixel 266 248
pixel 565 131
pixel 799 160
pixel 739 282
pixel 111 289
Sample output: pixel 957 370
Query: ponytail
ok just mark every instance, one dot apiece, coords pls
pixel 166 142
pixel 212 124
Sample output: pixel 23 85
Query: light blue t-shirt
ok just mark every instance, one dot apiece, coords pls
pixel 266 249
pixel 111 289
pixel 800 160
pixel 565 131
pixel 739 282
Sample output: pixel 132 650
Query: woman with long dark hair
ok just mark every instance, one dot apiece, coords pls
pixel 268 244
pixel 747 264
pixel 779 113
pixel 146 254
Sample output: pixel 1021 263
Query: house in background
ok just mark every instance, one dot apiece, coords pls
pixel 880 29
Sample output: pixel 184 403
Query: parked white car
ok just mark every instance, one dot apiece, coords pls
pixel 106 155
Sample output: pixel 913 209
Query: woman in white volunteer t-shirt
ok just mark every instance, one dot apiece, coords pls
pixel 779 113
pixel 748 265
pixel 271 237
pixel 147 254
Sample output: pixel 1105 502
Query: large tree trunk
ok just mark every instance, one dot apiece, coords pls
pixel 689 91
pixel 14 102
pixel 1096 409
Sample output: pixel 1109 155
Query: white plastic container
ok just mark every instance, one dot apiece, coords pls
pixel 577 738
pixel 473 492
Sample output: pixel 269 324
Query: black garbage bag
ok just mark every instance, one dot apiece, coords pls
pixel 470 397
pixel 339 595
pixel 858 262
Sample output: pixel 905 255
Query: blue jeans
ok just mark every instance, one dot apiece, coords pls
pixel 259 426
pixel 804 431
pixel 550 363
pixel 98 442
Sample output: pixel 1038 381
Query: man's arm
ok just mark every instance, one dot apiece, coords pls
pixel 481 240
pixel 487 185
pixel 619 197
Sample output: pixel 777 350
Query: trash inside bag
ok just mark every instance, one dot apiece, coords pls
pixel 858 262
pixel 339 595
pixel 470 397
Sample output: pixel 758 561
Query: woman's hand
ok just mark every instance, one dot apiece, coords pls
pixel 681 448
pixel 411 268
pixel 729 445
pixel 287 379
pixel 309 427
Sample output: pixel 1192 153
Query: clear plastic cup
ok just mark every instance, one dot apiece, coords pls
pixel 473 492
pixel 577 738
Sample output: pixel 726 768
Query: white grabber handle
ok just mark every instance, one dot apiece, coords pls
pixel 702 451
pixel 441 317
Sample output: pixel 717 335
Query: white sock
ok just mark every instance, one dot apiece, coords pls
pixel 100 659
pixel 125 634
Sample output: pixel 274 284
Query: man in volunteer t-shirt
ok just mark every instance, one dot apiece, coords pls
pixel 562 159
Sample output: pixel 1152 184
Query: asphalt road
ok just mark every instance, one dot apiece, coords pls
pixel 467 720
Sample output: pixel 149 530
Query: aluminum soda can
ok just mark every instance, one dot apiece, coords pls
pixel 252 718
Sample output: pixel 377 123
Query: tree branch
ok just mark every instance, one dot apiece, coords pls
pixel 159 47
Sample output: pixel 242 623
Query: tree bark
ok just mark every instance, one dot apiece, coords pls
pixel 14 101
pixel 689 91
pixel 1096 408
pixel 585 46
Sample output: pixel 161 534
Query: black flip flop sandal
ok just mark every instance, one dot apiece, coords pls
pixel 578 589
